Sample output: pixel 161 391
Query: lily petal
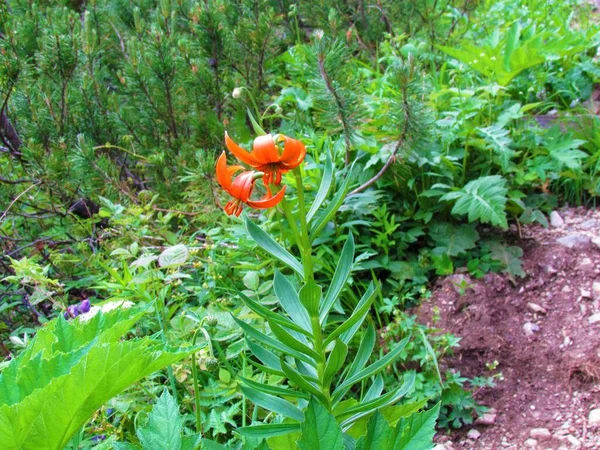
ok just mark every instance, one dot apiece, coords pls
pixel 223 174
pixel 239 152
pixel 242 186
pixel 268 202
pixel 264 150
pixel 294 152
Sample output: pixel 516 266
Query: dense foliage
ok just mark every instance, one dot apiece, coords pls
pixel 433 130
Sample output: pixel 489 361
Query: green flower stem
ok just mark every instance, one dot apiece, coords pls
pixel 287 211
pixel 309 276
pixel 195 374
pixel 306 244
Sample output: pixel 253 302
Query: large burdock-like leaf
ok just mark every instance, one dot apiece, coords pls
pixel 46 397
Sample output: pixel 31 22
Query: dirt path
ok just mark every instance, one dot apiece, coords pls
pixel 544 331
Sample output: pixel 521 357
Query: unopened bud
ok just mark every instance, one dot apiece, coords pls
pixel 211 364
pixel 278 109
pixel 211 321
pixel 237 92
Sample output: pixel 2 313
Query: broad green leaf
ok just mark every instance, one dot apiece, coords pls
pixel 483 199
pixel 207 444
pixel 510 258
pixel 164 427
pixel 324 187
pixel 379 435
pixel 268 244
pixel 340 277
pixel 320 431
pixel 416 432
pixel 173 256
pixel 50 416
pixel 453 240
pixel 273 403
pixel 290 301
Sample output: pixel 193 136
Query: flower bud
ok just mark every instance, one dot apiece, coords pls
pixel 72 310
pixel 237 92
pixel 278 109
pixel 211 321
pixel 211 364
pixel 84 306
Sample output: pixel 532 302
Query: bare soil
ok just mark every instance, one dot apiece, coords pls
pixel 544 331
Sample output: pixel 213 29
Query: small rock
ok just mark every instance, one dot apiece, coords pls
pixel 540 433
pixel 575 443
pixel 531 443
pixel 585 263
pixel 596 241
pixel 460 283
pixel 596 290
pixel 578 241
pixel 536 308
pixel 585 293
pixel 592 223
pixel 566 289
pixel 594 318
pixel 486 419
pixel 594 417
pixel 556 220
pixel 473 434
pixel 530 328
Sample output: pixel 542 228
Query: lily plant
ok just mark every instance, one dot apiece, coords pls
pixel 314 374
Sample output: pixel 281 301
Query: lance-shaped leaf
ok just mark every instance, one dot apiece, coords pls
pixel 324 187
pixel 273 403
pixel 340 277
pixel 261 337
pixel 269 360
pixel 290 301
pixel 367 407
pixel 335 361
pixel 372 369
pixel 274 390
pixel 302 382
pixel 294 343
pixel 266 313
pixel 321 220
pixel 267 431
pixel 310 297
pixel 273 248
pixel 357 317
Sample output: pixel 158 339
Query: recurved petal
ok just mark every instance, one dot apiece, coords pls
pixel 242 186
pixel 223 173
pixel 264 150
pixel 239 152
pixel 267 202
pixel 294 152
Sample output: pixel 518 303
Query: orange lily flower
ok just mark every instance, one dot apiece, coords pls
pixel 241 188
pixel 266 157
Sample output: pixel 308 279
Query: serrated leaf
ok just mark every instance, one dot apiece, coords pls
pixel 483 199
pixel 320 431
pixel 173 256
pixel 164 427
pixel 416 432
pixel 510 258
pixel 453 240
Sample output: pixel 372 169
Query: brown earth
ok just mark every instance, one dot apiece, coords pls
pixel 544 331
